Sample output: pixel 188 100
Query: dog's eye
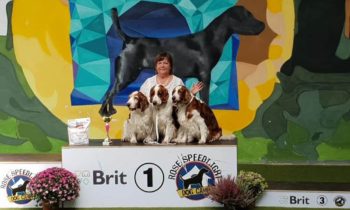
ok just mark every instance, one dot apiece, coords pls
pixel 160 93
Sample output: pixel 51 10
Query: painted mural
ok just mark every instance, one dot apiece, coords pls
pixel 289 98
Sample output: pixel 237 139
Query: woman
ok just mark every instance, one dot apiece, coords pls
pixel 164 76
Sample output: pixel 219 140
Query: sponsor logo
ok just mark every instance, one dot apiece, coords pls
pixel 83 176
pixel 284 200
pixel 339 201
pixel 299 200
pixel 294 200
pixel 15 183
pixel 193 175
pixel 99 177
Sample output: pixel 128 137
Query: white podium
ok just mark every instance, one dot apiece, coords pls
pixel 126 175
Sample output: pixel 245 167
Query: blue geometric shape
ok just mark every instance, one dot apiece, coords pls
pixel 78 98
pixel 123 95
pixel 156 21
pixel 93 38
pixel 233 101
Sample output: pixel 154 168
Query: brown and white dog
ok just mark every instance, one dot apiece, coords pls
pixel 139 127
pixel 162 113
pixel 196 119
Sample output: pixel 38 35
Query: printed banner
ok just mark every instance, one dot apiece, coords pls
pixel 305 199
pixel 148 176
pixel 14 178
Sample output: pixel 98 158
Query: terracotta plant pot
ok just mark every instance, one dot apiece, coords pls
pixel 49 206
pixel 229 207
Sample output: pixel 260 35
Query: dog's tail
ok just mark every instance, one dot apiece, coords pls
pixel 117 26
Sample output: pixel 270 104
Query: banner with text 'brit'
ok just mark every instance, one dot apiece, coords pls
pixel 148 176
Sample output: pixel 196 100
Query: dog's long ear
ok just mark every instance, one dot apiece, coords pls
pixel 143 102
pixel 151 94
pixel 188 95
pixel 165 95
pixel 174 115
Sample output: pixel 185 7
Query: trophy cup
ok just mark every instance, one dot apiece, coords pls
pixel 107 141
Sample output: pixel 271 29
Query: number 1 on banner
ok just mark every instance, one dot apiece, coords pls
pixel 154 177
pixel 149 174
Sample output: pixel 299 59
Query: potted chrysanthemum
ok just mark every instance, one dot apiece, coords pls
pixel 54 186
pixel 239 193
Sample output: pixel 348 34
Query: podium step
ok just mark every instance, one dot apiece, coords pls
pixel 312 176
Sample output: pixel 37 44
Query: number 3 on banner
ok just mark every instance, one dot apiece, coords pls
pixel 153 180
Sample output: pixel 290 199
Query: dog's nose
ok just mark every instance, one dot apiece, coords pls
pixel 154 103
pixel 173 98
pixel 128 105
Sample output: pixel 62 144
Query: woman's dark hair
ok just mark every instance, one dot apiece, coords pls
pixel 164 55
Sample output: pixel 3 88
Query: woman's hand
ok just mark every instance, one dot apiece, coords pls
pixel 197 87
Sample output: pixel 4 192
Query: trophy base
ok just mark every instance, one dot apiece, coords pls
pixel 106 142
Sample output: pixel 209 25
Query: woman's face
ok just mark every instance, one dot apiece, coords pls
pixel 163 67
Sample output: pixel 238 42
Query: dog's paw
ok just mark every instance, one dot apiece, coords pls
pixel 178 140
pixel 166 141
pixel 133 141
pixel 175 140
pixel 190 139
pixel 149 141
pixel 213 140
pixel 202 141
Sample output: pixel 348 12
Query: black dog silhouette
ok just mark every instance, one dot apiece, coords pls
pixel 197 179
pixel 194 55
pixel 320 27
pixel 21 188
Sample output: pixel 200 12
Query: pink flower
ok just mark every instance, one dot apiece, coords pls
pixel 55 185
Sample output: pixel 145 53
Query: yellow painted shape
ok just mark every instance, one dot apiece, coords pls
pixel 275 51
pixel 289 15
pixel 266 89
pixel 270 70
pixel 274 6
pixel 254 99
pixel 236 120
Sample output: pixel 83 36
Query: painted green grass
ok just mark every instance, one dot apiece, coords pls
pixel 328 152
pixel 308 173
pixel 262 150
pixel 251 150
pixel 27 147
pixel 12 57
pixel 8 125
pixel 9 128
pixel 337 148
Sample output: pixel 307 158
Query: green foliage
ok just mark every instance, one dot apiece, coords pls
pixel 253 149
pixel 251 186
